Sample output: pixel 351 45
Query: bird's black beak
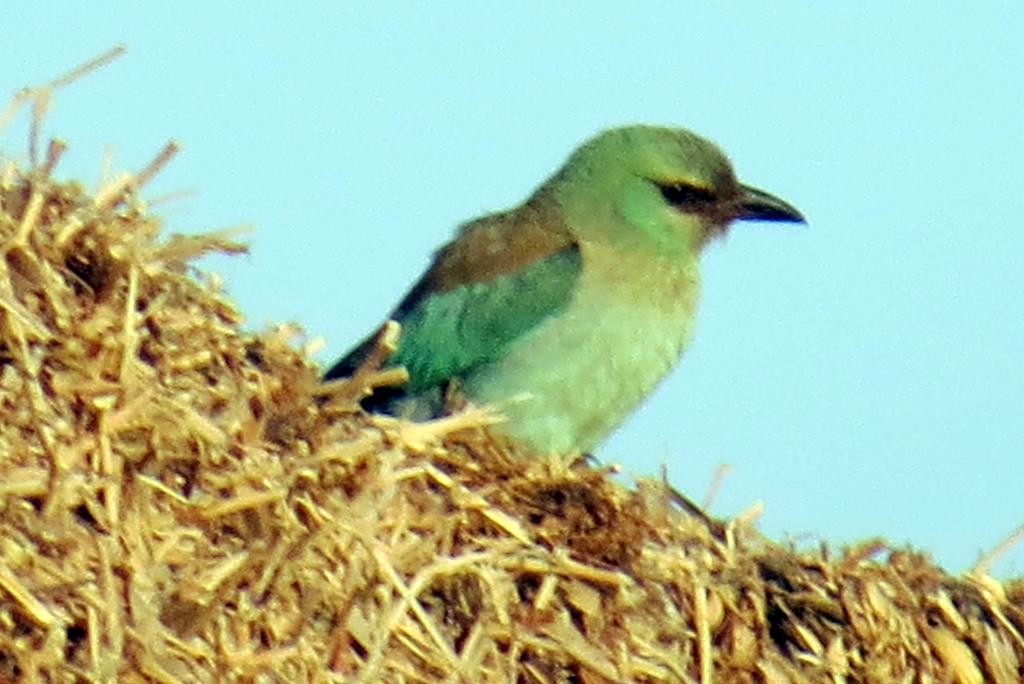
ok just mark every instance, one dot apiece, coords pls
pixel 758 205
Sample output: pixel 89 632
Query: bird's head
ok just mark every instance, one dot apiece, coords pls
pixel 661 188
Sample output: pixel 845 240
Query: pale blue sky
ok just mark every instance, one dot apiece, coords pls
pixel 861 375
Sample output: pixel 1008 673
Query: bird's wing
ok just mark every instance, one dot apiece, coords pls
pixel 445 334
pixel 496 281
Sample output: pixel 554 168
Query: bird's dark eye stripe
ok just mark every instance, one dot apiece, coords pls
pixel 684 195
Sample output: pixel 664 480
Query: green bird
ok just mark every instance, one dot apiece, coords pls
pixel 567 310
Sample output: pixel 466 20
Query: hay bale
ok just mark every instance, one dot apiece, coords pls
pixel 183 501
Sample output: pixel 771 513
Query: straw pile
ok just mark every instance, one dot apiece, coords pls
pixel 183 501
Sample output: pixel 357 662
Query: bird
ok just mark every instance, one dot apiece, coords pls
pixel 568 309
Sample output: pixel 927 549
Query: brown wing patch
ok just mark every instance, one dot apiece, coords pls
pixel 497 244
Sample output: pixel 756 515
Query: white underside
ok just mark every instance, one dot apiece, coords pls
pixel 571 381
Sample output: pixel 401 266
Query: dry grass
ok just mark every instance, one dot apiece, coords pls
pixel 182 501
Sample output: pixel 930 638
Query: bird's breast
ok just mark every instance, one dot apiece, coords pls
pixel 569 382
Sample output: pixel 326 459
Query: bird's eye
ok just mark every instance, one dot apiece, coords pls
pixel 685 196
